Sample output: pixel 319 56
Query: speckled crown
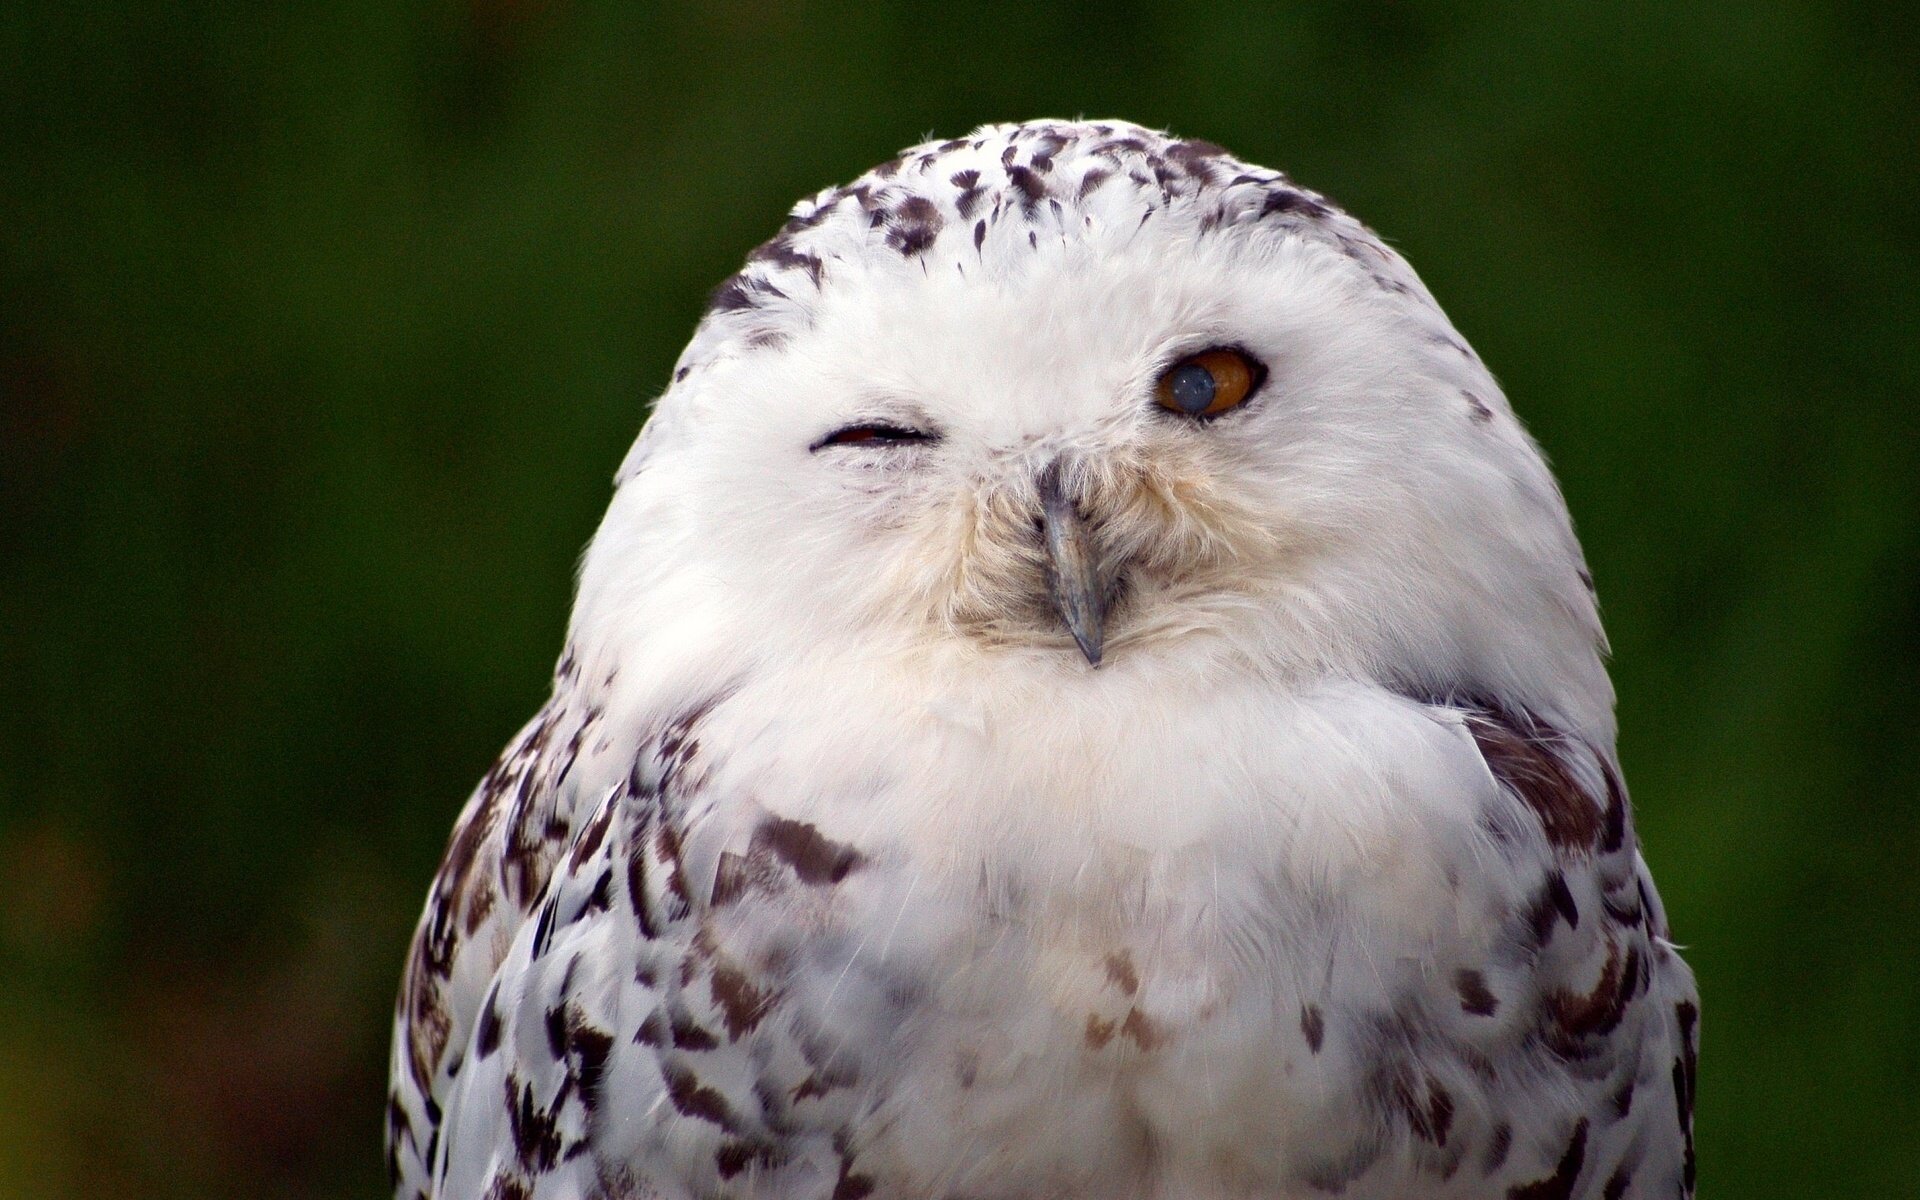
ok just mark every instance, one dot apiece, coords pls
pixel 986 198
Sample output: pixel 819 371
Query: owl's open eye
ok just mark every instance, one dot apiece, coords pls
pixel 1210 382
pixel 871 433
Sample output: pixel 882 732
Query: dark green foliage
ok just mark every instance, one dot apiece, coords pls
pixel 322 332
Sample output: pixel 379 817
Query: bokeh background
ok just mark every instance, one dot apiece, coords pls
pixel 323 327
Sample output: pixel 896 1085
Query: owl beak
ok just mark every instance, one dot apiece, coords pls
pixel 1073 566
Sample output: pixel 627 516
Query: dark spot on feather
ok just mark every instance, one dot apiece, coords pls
pixel 399 1132
pixel 737 1154
pixel 1553 903
pixel 652 1031
pixel 1474 996
pixel 1613 831
pixel 1195 158
pixel 505 1186
pixel 731 878
pixel 487 1033
pixel 1559 1185
pixel 1091 180
pixel 1497 1147
pixel 742 1005
pixel 666 841
pixel 588 1049
pixel 966 1068
pixel 1140 1030
pixel 636 856
pixel 1481 413
pixel 1618 1183
pixel 1313 1025
pixel 1431 1116
pixel 1686 1080
pixel 536 1133
pixel 688 1034
pixel 543 929
pixel 1625 911
pixel 915 225
pixel 732 1158
pixel 1100 1031
pixel 1285 200
pixel 913 239
pixel 428 1026
pixel 1121 972
pixel 733 294
pixel 1031 187
pixel 601 897
pixel 851 1186
pixel 813 857
pixel 1577 1016
pixel 812 218
pixel 780 253
pixel 1520 752
pixel 693 1099
pixel 1623 1099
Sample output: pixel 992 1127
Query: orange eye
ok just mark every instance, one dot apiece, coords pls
pixel 1209 383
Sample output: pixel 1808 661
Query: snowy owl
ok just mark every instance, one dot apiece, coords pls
pixel 1083 689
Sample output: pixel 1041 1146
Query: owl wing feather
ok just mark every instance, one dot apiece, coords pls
pixel 494 872
pixel 564 960
pixel 554 972
pixel 1581 1026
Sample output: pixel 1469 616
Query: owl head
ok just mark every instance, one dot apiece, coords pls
pixel 1079 404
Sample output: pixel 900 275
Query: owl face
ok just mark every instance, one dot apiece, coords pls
pixel 1148 405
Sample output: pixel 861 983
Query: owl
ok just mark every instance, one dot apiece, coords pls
pixel 1084 688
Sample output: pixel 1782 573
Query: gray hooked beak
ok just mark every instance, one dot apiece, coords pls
pixel 1073 566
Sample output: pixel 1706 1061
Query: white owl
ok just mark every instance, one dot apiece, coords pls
pixel 1084 689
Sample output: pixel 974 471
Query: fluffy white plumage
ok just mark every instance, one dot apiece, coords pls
pixel 833 868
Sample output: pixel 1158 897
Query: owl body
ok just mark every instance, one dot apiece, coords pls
pixel 842 863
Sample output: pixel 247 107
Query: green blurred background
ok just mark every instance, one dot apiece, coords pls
pixel 323 330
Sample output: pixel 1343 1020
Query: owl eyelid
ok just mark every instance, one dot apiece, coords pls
pixel 1259 364
pixel 874 433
